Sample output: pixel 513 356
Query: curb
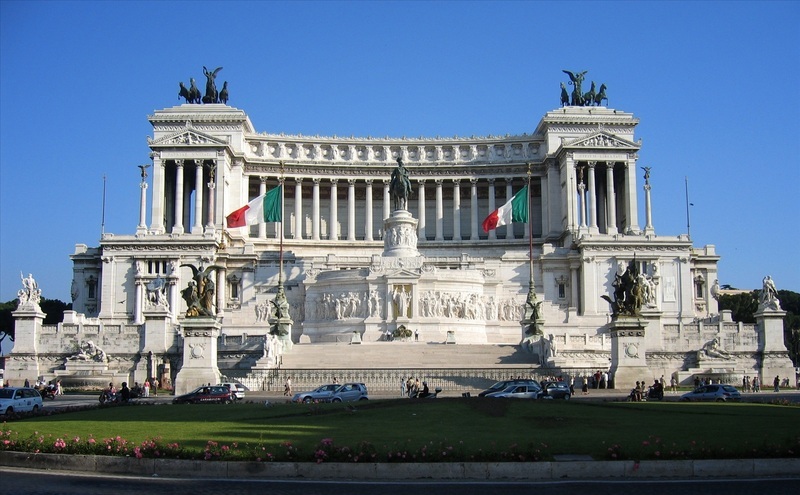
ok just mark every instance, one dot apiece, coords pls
pixel 531 471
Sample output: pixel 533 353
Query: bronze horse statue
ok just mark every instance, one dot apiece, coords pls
pixel 400 186
pixel 601 95
pixel 564 96
pixel 588 97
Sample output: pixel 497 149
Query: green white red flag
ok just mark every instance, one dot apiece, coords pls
pixel 264 208
pixel 515 210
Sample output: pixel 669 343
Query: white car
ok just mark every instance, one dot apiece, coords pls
pixel 17 400
pixel 237 389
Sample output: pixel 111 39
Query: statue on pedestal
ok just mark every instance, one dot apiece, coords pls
pixel 30 292
pixel 768 297
pixel 199 294
pixel 629 292
pixel 400 186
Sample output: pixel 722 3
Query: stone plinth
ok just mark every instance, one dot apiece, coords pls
pixel 775 359
pixel 628 363
pixel 400 235
pixel 199 354
pixel 23 363
pixel 156 323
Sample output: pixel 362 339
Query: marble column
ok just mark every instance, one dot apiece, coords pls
pixel 222 290
pixel 421 207
pixel 262 190
pixel 570 195
pixel 387 200
pixel 439 211
pixel 159 198
pixel 351 209
pixel 492 207
pixel 368 228
pixel 212 205
pixel 333 217
pixel 573 272
pixel 177 227
pixel 611 198
pixel 509 195
pixel 545 205
pixel 315 209
pixel 456 210
pixel 648 228
pixel 592 201
pixel 197 227
pixel 141 229
pixel 631 203
pixel 473 210
pixel 298 208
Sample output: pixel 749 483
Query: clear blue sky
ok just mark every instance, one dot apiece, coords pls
pixel 715 85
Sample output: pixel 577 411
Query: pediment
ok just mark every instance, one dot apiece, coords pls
pixel 187 137
pixel 601 140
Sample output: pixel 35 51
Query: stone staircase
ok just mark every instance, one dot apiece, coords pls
pixel 392 355
pixel 382 365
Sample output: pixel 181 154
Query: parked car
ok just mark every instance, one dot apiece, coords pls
pixel 319 394
pixel 237 389
pixel 503 384
pixel 214 394
pixel 350 392
pixel 333 393
pixel 718 392
pixel 556 390
pixel 518 391
pixel 22 399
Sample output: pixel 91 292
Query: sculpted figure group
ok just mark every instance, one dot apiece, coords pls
pixel 578 98
pixel 192 94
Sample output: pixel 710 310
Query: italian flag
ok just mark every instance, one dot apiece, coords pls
pixel 515 210
pixel 265 208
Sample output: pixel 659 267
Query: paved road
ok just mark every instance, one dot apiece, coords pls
pixel 33 482
pixel 607 395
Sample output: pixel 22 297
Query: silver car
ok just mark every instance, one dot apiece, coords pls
pixel 17 400
pixel 718 393
pixel 519 391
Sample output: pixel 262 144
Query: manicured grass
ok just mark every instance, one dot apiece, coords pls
pixel 479 429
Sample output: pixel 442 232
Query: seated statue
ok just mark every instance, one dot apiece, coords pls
pixel 714 350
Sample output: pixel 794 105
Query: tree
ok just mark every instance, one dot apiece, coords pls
pixel 742 305
pixel 745 305
pixel 52 308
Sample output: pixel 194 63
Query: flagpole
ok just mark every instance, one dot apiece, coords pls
pixel 530 229
pixel 280 231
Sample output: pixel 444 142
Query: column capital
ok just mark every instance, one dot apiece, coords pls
pixel 369 181
pixel 263 179
pixel 316 180
pixel 179 163
pixel 155 155
pixel 351 182
pixel 421 181
pixel 610 163
pixel 457 182
pixel 491 181
pixel 334 181
pixel 438 181
pixel 591 163
pixel 473 181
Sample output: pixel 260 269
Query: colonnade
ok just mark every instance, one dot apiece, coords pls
pixel 452 216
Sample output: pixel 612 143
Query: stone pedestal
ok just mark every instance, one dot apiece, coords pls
pixel 199 354
pixel 23 363
pixel 628 364
pixel 400 235
pixel 774 355
pixel 156 337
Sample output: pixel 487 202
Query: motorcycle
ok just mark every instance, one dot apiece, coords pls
pixel 48 392
pixel 425 393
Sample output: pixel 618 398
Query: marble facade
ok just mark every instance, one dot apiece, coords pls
pixel 350 264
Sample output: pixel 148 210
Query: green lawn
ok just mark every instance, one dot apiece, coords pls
pixel 441 429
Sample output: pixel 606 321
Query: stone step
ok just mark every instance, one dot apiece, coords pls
pixel 381 355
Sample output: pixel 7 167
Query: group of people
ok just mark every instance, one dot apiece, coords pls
pixel 412 388
pixel 641 391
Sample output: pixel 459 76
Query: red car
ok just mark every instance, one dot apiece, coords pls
pixel 214 394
